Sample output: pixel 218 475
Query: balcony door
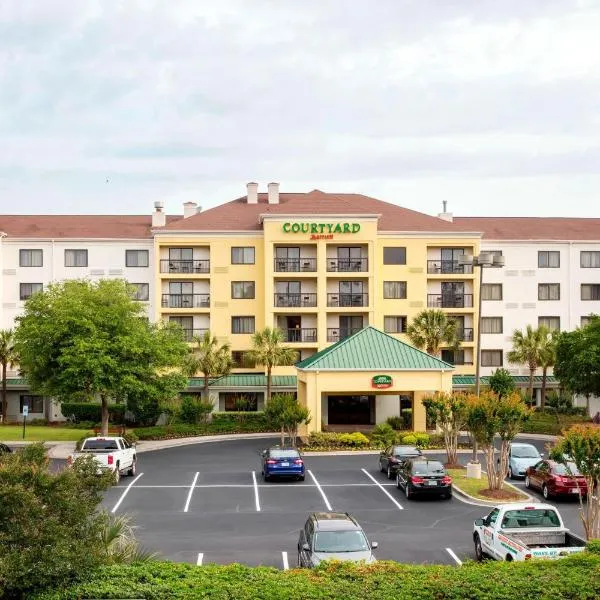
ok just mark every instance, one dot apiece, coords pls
pixel 288 293
pixel 350 324
pixel 288 259
pixel 181 260
pixel 351 293
pixel 349 258
pixel 453 294
pixel 450 260
pixel 181 294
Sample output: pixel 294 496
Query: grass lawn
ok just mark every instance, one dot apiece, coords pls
pixel 40 433
pixel 474 487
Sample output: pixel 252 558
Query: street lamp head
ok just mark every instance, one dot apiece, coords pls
pixel 498 261
pixel 485 259
pixel 465 259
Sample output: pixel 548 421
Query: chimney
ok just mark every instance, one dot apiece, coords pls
pixel 273 194
pixel 445 215
pixel 252 189
pixel 159 218
pixel 189 209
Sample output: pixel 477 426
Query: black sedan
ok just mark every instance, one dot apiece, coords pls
pixel 424 476
pixel 392 458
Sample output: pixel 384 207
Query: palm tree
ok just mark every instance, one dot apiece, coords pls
pixel 209 358
pixel 8 355
pixel 547 357
pixel 527 350
pixel 268 352
pixel 118 542
pixel 431 329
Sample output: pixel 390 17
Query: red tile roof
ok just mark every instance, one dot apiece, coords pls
pixel 531 228
pixel 78 226
pixel 238 215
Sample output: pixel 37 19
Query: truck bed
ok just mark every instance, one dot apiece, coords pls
pixel 546 539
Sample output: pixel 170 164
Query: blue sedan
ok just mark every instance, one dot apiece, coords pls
pixel 282 462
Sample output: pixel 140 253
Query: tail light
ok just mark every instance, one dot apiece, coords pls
pixel 560 479
pixel 414 479
pixel 447 480
pixel 271 462
pixel 528 557
pixel 299 461
pixel 69 460
pixel 111 459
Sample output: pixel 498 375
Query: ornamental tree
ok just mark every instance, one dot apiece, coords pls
pixel 80 340
pixel 285 413
pixel 580 445
pixel 501 382
pixel 450 412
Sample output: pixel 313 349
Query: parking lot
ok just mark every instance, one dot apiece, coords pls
pixel 208 503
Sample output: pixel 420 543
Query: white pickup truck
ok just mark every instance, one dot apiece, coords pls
pixel 114 454
pixel 521 532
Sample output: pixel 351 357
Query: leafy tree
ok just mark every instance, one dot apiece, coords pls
pixel 194 410
pixel 527 350
pixel 285 413
pixel 502 383
pixel 79 340
pixel 450 412
pixel 581 445
pixel 209 358
pixel 431 329
pixel 490 415
pixel 547 358
pixel 8 356
pixel 268 352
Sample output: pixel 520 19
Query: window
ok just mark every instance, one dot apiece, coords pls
pixel 234 401
pixel 26 290
pixel 394 289
pixel 394 256
pixel 394 324
pixel 242 289
pixel 586 320
pixel 590 260
pixel 552 323
pixel 242 324
pixel 241 359
pixel 590 291
pixel 35 403
pixel 31 258
pixel 242 255
pixel 548 291
pixel 136 258
pixel 141 292
pixel 491 291
pixel 453 357
pixel 491 358
pixel 491 325
pixel 76 258
pixel 548 259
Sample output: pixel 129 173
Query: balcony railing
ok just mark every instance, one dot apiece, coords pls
pixel 348 265
pixel 190 333
pixel 300 335
pixel 295 300
pixel 449 300
pixel 185 301
pixel 335 334
pixel 450 267
pixel 295 265
pixel 347 300
pixel 465 334
pixel 184 266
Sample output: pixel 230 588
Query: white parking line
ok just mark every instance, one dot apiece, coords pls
pixel 320 490
pixel 451 553
pixel 116 506
pixel 400 507
pixel 189 497
pixel 199 559
pixel 256 498
pixel 284 557
pixel 260 485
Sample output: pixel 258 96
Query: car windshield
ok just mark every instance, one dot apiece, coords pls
pixel 569 469
pixel 284 454
pixel 525 452
pixel 405 451
pixel 340 541
pixel 100 445
pixel 530 518
pixel 428 468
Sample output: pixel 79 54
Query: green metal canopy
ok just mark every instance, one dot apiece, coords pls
pixel 373 349
pixel 467 380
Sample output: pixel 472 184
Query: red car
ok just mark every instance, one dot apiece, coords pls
pixel 555 479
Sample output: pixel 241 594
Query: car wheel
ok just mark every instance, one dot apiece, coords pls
pixel 407 492
pixel 265 476
pixel 447 495
pixel 389 472
pixel 510 473
pixel 301 478
pixel 479 554
pixel 132 470
pixel 545 492
pixel 527 482
pixel 398 482
pixel 117 474
pixel 299 561
pixel 381 467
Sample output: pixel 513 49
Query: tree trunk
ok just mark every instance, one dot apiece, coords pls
pixel 104 424
pixel 282 436
pixel 543 398
pixel 4 395
pixel 587 404
pixel 206 392
pixel 268 384
pixel 531 373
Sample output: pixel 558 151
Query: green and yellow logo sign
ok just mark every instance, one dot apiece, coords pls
pixel 321 231
pixel 381 382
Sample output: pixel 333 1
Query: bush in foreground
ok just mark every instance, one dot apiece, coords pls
pixel 576 577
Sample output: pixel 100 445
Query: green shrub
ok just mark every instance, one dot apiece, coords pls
pixel 422 440
pixel 91 411
pixel 354 440
pixel 396 423
pixel 194 410
pixel 383 435
pixel 34 422
pixel 410 439
pixel 593 546
pixel 547 423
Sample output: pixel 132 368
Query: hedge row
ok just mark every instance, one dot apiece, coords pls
pixel 543 422
pixel 89 411
pixel 575 577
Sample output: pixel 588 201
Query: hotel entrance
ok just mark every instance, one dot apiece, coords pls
pixel 351 410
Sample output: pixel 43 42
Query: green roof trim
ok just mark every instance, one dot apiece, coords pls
pixel 470 379
pixel 373 349
pixel 254 380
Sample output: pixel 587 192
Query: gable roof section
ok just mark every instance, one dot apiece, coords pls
pixel 238 215
pixel 372 349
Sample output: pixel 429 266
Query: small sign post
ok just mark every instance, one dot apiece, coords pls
pixel 25 413
pixel 381 382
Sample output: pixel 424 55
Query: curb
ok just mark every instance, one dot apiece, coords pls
pixel 152 445
pixel 479 502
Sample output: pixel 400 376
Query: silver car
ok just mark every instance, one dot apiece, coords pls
pixel 520 458
pixel 333 536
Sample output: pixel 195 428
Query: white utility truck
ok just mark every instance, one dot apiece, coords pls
pixel 521 532
pixel 114 454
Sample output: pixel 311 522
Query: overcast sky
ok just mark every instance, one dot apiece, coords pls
pixel 493 105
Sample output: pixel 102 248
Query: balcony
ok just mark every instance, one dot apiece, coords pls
pixel 347 300
pixel 348 265
pixel 448 267
pixel 450 301
pixel 185 301
pixel 190 333
pixel 184 266
pixel 300 336
pixel 295 300
pixel 335 334
pixel 465 334
pixel 295 265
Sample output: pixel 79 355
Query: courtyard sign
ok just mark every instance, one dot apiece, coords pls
pixel 321 231
pixel 382 382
